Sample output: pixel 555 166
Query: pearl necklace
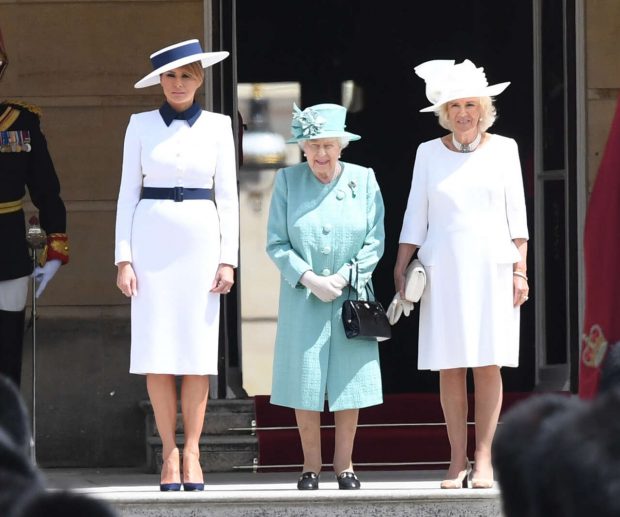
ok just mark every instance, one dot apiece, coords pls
pixel 467 148
pixel 335 174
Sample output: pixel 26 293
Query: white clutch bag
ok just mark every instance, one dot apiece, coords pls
pixel 415 281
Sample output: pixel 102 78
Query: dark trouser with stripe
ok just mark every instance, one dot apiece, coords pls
pixel 11 344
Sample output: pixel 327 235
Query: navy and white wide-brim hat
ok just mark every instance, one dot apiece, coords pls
pixel 179 54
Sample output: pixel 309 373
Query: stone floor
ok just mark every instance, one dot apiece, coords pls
pixel 245 494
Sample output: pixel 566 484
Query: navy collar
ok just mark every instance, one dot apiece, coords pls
pixel 191 114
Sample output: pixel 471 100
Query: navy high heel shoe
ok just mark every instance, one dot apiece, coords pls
pixel 193 487
pixel 188 486
pixel 169 487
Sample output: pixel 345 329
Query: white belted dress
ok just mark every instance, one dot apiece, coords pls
pixel 175 247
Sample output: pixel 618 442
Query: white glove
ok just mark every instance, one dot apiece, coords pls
pixel 397 307
pixel 338 280
pixel 43 275
pixel 325 288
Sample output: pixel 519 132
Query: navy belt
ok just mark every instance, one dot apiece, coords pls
pixel 176 193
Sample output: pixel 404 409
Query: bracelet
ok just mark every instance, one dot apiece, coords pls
pixel 521 274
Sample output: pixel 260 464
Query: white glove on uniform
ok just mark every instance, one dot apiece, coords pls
pixel 43 275
pixel 325 288
pixel 397 307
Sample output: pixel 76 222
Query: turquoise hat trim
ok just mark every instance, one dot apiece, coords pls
pixel 319 121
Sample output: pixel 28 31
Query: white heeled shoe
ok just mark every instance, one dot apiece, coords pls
pixel 460 481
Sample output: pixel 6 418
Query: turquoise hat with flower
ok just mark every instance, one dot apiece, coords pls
pixel 319 121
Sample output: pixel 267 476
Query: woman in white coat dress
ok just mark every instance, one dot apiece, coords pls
pixel 177 232
pixel 466 214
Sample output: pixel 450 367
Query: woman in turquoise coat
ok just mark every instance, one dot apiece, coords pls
pixel 325 231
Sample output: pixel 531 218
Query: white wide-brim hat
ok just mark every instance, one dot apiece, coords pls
pixel 446 82
pixel 174 56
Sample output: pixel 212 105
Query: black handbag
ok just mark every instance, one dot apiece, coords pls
pixel 364 318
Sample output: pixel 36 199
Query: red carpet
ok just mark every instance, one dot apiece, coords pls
pixel 409 447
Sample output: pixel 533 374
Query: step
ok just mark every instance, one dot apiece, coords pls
pixel 407 431
pixel 396 494
pixel 222 445
pixel 221 416
pixel 218 453
pixel 404 447
pixel 270 504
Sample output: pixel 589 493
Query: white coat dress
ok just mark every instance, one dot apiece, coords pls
pixel 464 210
pixel 176 247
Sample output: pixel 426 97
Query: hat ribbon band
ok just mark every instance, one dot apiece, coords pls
pixel 175 53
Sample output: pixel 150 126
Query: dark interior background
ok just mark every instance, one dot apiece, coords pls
pixel 377 44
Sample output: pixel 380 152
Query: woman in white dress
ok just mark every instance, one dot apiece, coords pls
pixel 466 214
pixel 177 232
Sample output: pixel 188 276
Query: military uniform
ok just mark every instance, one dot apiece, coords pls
pixel 24 162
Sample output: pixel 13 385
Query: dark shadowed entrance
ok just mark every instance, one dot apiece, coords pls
pixel 323 43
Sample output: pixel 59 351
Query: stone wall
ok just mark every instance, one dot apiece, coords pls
pixel 78 60
pixel 602 29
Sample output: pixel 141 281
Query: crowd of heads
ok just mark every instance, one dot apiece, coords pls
pixel 555 454
pixel 23 491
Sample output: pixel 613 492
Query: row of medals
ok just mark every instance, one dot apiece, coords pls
pixel 15 141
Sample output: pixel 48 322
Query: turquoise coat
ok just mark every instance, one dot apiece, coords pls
pixel 325 228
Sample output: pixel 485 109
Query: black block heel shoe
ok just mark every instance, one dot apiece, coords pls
pixel 348 481
pixel 308 481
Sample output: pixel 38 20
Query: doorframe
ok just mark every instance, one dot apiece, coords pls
pixel 562 376
pixel 582 176
pixel 220 33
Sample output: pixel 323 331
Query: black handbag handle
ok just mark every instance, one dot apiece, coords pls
pixel 357 279
pixel 350 282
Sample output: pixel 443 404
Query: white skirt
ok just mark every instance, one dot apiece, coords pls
pixel 467 318
pixel 174 318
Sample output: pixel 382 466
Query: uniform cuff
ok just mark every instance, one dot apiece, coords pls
pixel 57 247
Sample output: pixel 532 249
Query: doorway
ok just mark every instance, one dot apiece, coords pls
pixel 373 47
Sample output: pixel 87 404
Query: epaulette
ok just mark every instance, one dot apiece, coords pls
pixel 24 105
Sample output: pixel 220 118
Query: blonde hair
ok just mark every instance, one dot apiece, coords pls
pixel 488 114
pixel 195 69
